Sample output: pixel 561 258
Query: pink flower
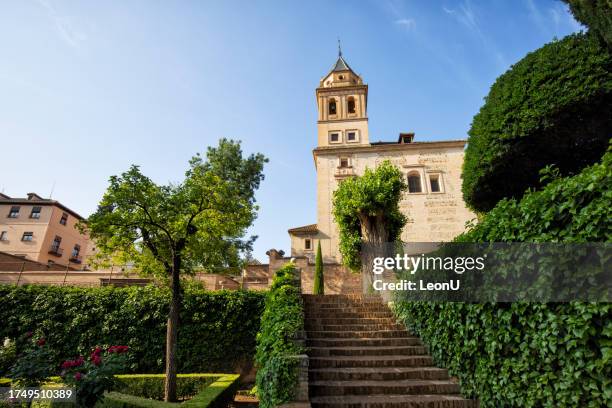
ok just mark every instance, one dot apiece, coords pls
pixel 118 349
pixel 96 360
pixel 41 342
pixel 78 376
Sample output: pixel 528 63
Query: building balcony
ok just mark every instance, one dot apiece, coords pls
pixel 56 250
pixel 77 259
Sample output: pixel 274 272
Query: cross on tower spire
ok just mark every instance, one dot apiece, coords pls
pixel 339 48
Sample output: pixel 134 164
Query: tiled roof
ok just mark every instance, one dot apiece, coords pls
pixel 341 65
pixel 306 229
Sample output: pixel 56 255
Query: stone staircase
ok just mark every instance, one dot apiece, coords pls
pixel 359 357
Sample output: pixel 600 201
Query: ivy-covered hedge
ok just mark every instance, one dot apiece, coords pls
pixel 217 332
pixel 277 349
pixel 552 107
pixel 530 354
pixel 595 14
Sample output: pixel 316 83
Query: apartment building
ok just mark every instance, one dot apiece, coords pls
pixel 41 230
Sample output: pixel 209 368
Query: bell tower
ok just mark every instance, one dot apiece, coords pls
pixel 342 100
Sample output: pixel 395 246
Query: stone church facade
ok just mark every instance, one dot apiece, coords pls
pixel 433 203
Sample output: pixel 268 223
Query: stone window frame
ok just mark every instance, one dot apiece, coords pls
pixel 353 98
pixel 441 183
pixel 419 173
pixel 357 135
pixel 336 107
pixel 340 136
pixel 308 244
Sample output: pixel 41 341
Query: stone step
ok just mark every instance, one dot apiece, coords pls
pixel 318 334
pixel 352 327
pixel 378 373
pixel 370 361
pixel 410 387
pixel 367 351
pixel 364 342
pixel 345 314
pixel 350 320
pixel 392 401
pixel 327 306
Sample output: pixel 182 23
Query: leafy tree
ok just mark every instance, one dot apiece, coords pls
pixel 319 281
pixel 366 209
pixel 550 108
pixel 595 14
pixel 171 229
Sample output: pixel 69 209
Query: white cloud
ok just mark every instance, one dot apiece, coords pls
pixel 64 25
pixel 408 23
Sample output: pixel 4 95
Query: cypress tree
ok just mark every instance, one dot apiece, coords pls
pixel 319 283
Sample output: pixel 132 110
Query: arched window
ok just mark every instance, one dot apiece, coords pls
pixel 414 183
pixel 351 105
pixel 332 107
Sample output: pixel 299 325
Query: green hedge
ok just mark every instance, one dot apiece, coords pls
pixel 595 14
pixel 217 332
pixel 218 392
pixel 281 322
pixel 530 354
pixel 552 107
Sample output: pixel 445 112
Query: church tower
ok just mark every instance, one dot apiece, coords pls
pixel 342 100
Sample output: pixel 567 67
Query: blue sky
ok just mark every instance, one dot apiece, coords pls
pixel 88 88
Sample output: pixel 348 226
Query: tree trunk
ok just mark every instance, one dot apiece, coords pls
pixel 374 236
pixel 172 333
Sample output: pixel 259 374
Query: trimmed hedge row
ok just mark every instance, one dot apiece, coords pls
pixel 281 322
pixel 217 332
pixel 217 394
pixel 530 354
pixel 551 107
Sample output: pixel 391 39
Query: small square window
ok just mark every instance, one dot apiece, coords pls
pixel 27 236
pixel 351 136
pixel 14 213
pixel 4 236
pixel 64 219
pixel 35 212
pixel 307 243
pixel 434 182
pixel 334 137
pixel 344 162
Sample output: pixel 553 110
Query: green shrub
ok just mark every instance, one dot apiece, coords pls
pixel 549 108
pixel 530 354
pixel 319 278
pixel 213 391
pixel 152 386
pixel 595 14
pixel 282 320
pixel 217 331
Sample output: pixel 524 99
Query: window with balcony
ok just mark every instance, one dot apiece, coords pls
pixel 64 219
pixel 344 162
pixel 14 213
pixel 27 236
pixel 55 246
pixel 75 256
pixel 35 212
